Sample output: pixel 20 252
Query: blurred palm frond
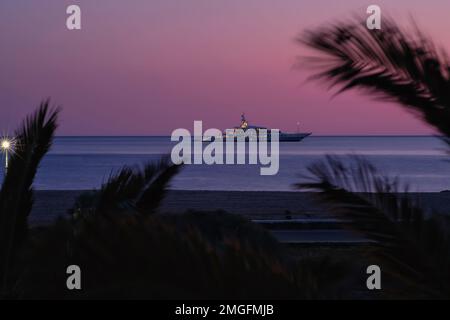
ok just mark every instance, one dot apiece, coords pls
pixel 415 245
pixel 391 64
pixel 137 189
pixel 33 140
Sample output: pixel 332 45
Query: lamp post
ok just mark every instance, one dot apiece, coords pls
pixel 6 147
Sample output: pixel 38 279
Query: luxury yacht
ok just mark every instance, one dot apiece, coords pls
pixel 261 133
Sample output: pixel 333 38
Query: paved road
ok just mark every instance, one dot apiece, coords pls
pixel 318 236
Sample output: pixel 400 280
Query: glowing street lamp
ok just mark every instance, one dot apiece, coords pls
pixel 6 146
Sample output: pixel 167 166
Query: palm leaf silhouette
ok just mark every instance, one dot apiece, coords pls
pixel 33 140
pixel 137 189
pixel 391 64
pixel 397 66
pixel 158 178
pixel 414 246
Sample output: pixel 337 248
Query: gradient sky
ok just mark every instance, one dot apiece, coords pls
pixel 142 67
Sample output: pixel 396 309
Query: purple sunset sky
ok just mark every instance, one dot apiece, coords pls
pixel 149 67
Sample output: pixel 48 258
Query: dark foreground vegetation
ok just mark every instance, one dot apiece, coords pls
pixel 126 249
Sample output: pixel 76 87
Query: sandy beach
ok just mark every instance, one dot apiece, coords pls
pixel 253 204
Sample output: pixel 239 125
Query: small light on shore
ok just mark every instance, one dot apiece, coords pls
pixel 6 145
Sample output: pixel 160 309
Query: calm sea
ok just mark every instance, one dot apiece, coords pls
pixel 85 162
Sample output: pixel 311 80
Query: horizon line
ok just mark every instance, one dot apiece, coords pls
pixel 317 135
